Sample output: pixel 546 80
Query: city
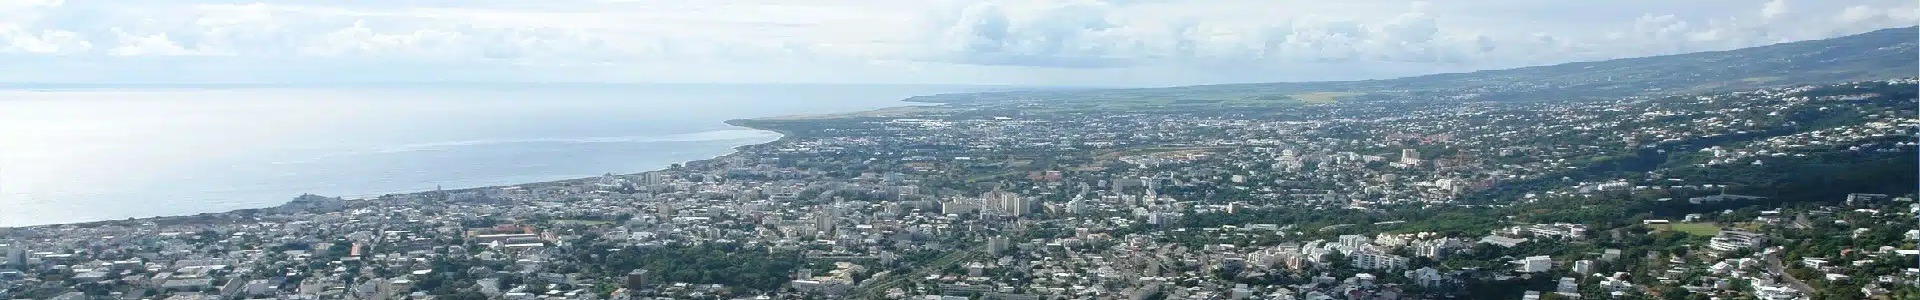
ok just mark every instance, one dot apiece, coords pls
pixel 1374 201
pixel 1781 171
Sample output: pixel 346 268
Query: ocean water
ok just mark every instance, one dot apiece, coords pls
pixel 76 155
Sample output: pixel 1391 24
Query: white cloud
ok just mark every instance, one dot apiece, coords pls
pixel 981 41
pixel 148 45
pixel 361 40
pixel 45 42
pixel 1773 9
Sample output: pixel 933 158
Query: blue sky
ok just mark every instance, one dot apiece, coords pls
pixel 1028 42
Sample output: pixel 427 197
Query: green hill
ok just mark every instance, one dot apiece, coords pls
pixel 1881 54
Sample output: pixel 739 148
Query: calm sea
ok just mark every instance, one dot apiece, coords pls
pixel 92 154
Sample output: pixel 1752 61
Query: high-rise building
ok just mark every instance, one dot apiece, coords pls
pixel 653 178
pixel 826 220
pixel 997 245
pixel 1003 203
pixel 958 206
pixel 1409 156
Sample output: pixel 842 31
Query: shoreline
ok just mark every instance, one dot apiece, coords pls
pixel 746 123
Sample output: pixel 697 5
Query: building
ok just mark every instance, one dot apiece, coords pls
pixel 1352 243
pixel 1003 203
pixel 1438 248
pixel 1427 277
pixel 1502 241
pixel 997 245
pixel 1860 199
pixel 955 207
pixel 509 238
pixel 1567 287
pixel 13 255
pixel 1775 292
pixel 260 287
pixel 654 178
pixel 1534 264
pixel 1583 267
pixel 1375 260
pixel 1731 240
pixel 1077 206
pixel 826 221
pixel 637 280
pixel 1557 230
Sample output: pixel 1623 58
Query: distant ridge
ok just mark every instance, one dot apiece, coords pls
pixel 1880 54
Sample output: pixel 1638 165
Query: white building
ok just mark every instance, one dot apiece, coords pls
pixel 1353 243
pixel 1775 292
pixel 1438 248
pixel 958 207
pixel 1534 264
pixel 1375 260
pixel 1005 203
pixel 259 287
pixel 1583 267
pixel 1735 239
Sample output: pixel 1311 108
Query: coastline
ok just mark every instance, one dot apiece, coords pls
pixel 747 123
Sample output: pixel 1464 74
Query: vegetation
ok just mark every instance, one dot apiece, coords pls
pixel 733 265
pixel 1698 229
pixel 1859 57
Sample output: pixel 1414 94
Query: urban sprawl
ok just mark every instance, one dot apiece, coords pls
pixel 1780 193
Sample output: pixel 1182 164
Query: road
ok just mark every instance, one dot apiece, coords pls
pixel 1774 266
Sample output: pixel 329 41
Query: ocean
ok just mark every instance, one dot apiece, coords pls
pixel 93 154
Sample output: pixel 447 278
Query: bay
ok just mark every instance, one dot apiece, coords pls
pixel 91 154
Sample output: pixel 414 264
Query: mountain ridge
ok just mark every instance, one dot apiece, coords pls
pixel 1877 54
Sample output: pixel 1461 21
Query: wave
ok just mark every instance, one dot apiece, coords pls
pixel 716 135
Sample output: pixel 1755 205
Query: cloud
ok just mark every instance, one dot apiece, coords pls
pixel 1773 9
pixel 1074 35
pixel 148 45
pixel 973 41
pixel 44 42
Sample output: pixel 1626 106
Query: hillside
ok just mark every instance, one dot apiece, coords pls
pixel 1879 54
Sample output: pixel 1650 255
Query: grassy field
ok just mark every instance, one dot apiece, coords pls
pixel 1700 229
pixel 1321 97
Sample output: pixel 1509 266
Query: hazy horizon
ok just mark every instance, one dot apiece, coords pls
pixel 1082 43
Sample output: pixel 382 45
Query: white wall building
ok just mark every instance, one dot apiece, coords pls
pixel 1534 264
pixel 1735 240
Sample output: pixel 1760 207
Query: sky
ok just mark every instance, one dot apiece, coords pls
pixel 1026 42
